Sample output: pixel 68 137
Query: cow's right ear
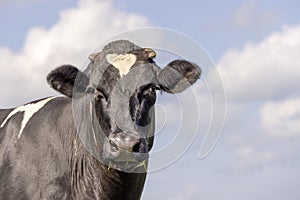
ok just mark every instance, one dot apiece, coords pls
pixel 63 79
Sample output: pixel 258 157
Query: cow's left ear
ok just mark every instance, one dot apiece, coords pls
pixel 63 79
pixel 178 75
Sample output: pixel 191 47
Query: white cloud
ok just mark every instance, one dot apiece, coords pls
pixel 261 81
pixel 281 118
pixel 78 31
pixel 263 135
pixel 266 70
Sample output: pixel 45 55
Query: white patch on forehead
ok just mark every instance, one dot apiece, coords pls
pixel 122 62
pixel 29 110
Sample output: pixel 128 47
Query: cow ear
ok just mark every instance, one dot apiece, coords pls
pixel 178 75
pixel 63 79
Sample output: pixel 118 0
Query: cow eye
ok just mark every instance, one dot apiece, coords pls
pixel 154 88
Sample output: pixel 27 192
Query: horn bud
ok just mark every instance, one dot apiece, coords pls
pixel 150 53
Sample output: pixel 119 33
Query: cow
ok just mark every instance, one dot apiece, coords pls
pixel 93 142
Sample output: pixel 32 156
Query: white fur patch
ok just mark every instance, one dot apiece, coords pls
pixel 29 110
pixel 122 62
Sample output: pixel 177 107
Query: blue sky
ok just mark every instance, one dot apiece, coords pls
pixel 205 19
pixel 255 46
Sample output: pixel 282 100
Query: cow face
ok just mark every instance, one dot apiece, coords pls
pixel 122 81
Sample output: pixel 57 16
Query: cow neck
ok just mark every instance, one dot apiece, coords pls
pixel 92 179
pixel 121 185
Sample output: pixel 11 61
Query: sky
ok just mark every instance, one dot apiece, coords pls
pixel 255 47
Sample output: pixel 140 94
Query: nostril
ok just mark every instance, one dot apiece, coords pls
pixel 128 142
pixel 140 147
pixel 137 147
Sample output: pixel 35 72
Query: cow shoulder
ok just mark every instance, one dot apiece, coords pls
pixel 24 113
pixel 3 114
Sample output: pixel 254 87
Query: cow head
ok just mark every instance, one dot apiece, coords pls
pixel 122 81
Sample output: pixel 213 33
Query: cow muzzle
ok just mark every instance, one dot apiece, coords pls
pixel 128 142
pixel 126 152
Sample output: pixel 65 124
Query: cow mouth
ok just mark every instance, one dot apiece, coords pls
pixel 129 167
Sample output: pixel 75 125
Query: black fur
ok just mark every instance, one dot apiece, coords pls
pixel 178 75
pixel 63 79
pixel 51 161
pixel 140 103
